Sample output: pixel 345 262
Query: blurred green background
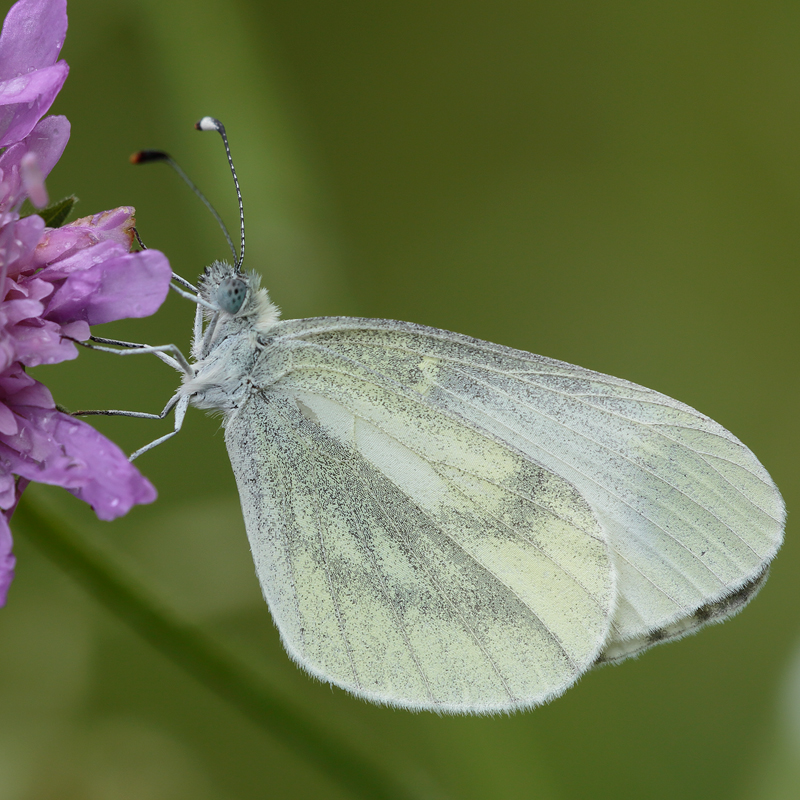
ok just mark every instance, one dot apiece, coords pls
pixel 612 184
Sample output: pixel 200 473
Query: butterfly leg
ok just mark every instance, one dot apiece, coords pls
pixel 177 360
pixel 183 282
pixel 179 402
pixel 197 330
pixel 193 297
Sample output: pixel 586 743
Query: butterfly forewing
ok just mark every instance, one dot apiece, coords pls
pixel 406 556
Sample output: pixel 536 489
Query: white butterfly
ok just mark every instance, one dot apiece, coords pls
pixel 442 523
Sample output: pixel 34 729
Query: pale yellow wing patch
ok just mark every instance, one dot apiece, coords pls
pixel 458 576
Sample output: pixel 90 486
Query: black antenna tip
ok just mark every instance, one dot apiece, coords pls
pixel 147 156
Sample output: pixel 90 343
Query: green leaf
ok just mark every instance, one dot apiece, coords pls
pixel 55 215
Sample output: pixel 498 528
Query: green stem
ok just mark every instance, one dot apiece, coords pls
pixel 190 648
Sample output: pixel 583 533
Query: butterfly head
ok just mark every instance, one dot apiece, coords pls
pixel 237 297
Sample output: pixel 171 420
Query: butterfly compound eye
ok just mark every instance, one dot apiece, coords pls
pixel 231 294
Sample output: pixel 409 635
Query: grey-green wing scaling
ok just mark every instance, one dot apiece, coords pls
pixel 471 489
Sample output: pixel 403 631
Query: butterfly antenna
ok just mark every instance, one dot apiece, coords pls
pixel 211 124
pixel 148 156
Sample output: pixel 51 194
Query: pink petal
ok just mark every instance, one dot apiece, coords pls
pixel 17 310
pixel 43 345
pixel 48 140
pixel 15 383
pixel 36 395
pixel 58 449
pixel 17 243
pixel 115 226
pixel 8 422
pixel 58 244
pixel 133 285
pixel 33 288
pixel 71 299
pixel 77 330
pixel 33 35
pixel 26 99
pixel 8 350
pixel 9 165
pixel 8 491
pixel 33 180
pixel 87 251
pixel 7 560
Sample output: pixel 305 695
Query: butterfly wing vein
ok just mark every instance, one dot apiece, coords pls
pixel 439 522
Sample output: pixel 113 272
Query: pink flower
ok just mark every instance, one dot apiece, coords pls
pixel 30 76
pixel 55 283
